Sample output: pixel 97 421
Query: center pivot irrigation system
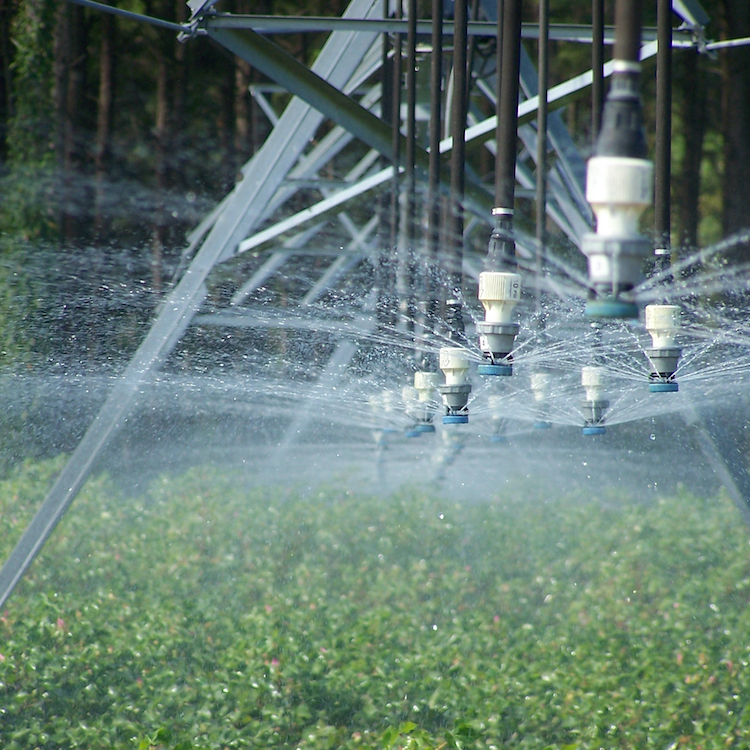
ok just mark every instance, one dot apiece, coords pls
pixel 401 120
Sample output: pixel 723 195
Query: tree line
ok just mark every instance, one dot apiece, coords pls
pixel 112 131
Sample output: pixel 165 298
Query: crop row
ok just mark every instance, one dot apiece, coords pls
pixel 208 615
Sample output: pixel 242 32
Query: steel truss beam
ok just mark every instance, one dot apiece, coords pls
pixel 336 63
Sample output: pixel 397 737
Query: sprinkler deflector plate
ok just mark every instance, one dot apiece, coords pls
pixel 611 308
pixel 663 388
pixel 594 429
pixel 413 433
pixel 425 428
pixel 455 419
pixel 501 370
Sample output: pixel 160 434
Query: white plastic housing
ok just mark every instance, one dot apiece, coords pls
pixel 455 365
pixel 592 379
pixel 663 323
pixel 426 383
pixel 383 402
pixel 540 383
pixel 410 397
pixel 619 189
pixel 499 293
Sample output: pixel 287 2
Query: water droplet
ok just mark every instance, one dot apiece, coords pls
pixel 652 436
pixel 441 516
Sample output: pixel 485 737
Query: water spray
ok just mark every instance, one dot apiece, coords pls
pixel 619 181
pixel 663 323
pixel 499 293
pixel 594 405
pixel 455 392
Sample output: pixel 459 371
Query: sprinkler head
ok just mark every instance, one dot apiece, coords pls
pixel 382 406
pixel 499 293
pixel 420 402
pixel 619 189
pixel 540 387
pixel 662 323
pixel 593 406
pixel 455 392
pixel 497 420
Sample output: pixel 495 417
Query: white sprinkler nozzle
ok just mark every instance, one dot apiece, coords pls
pixel 455 366
pixel 592 379
pixel 498 421
pixel 426 383
pixel 594 406
pixel 663 323
pixel 619 189
pixel 540 384
pixel 499 293
pixel 540 387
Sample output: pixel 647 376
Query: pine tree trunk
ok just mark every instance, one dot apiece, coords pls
pixel 104 120
pixel 735 105
pixel 6 101
pixel 242 114
pixel 694 107
pixel 160 160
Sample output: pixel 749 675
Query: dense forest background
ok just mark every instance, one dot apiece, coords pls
pixel 115 139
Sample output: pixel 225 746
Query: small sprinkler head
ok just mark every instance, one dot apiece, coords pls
pixel 497 420
pixel 593 406
pixel 499 293
pixel 382 407
pixel 420 402
pixel 455 392
pixel 540 387
pixel 663 323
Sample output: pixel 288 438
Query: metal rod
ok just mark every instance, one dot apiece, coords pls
pixel 541 147
pixel 408 263
pixel 502 249
pixel 663 146
pixel 576 33
pixel 434 199
pixel 458 157
pixel 498 89
pixel 508 112
pixel 597 66
pixel 396 132
pixel 384 271
pixel 627 30
pixel 130 15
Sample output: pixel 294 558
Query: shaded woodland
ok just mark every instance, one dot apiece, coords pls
pixel 115 135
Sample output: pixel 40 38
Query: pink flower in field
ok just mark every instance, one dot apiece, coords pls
pixel 2 658
pixel 60 623
pixel 323 650
pixel 275 662
pixel 269 608
pixel 496 618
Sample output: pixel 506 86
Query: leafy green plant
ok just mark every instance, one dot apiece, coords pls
pixel 211 616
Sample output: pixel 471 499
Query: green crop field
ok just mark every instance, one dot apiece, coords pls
pixel 208 615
